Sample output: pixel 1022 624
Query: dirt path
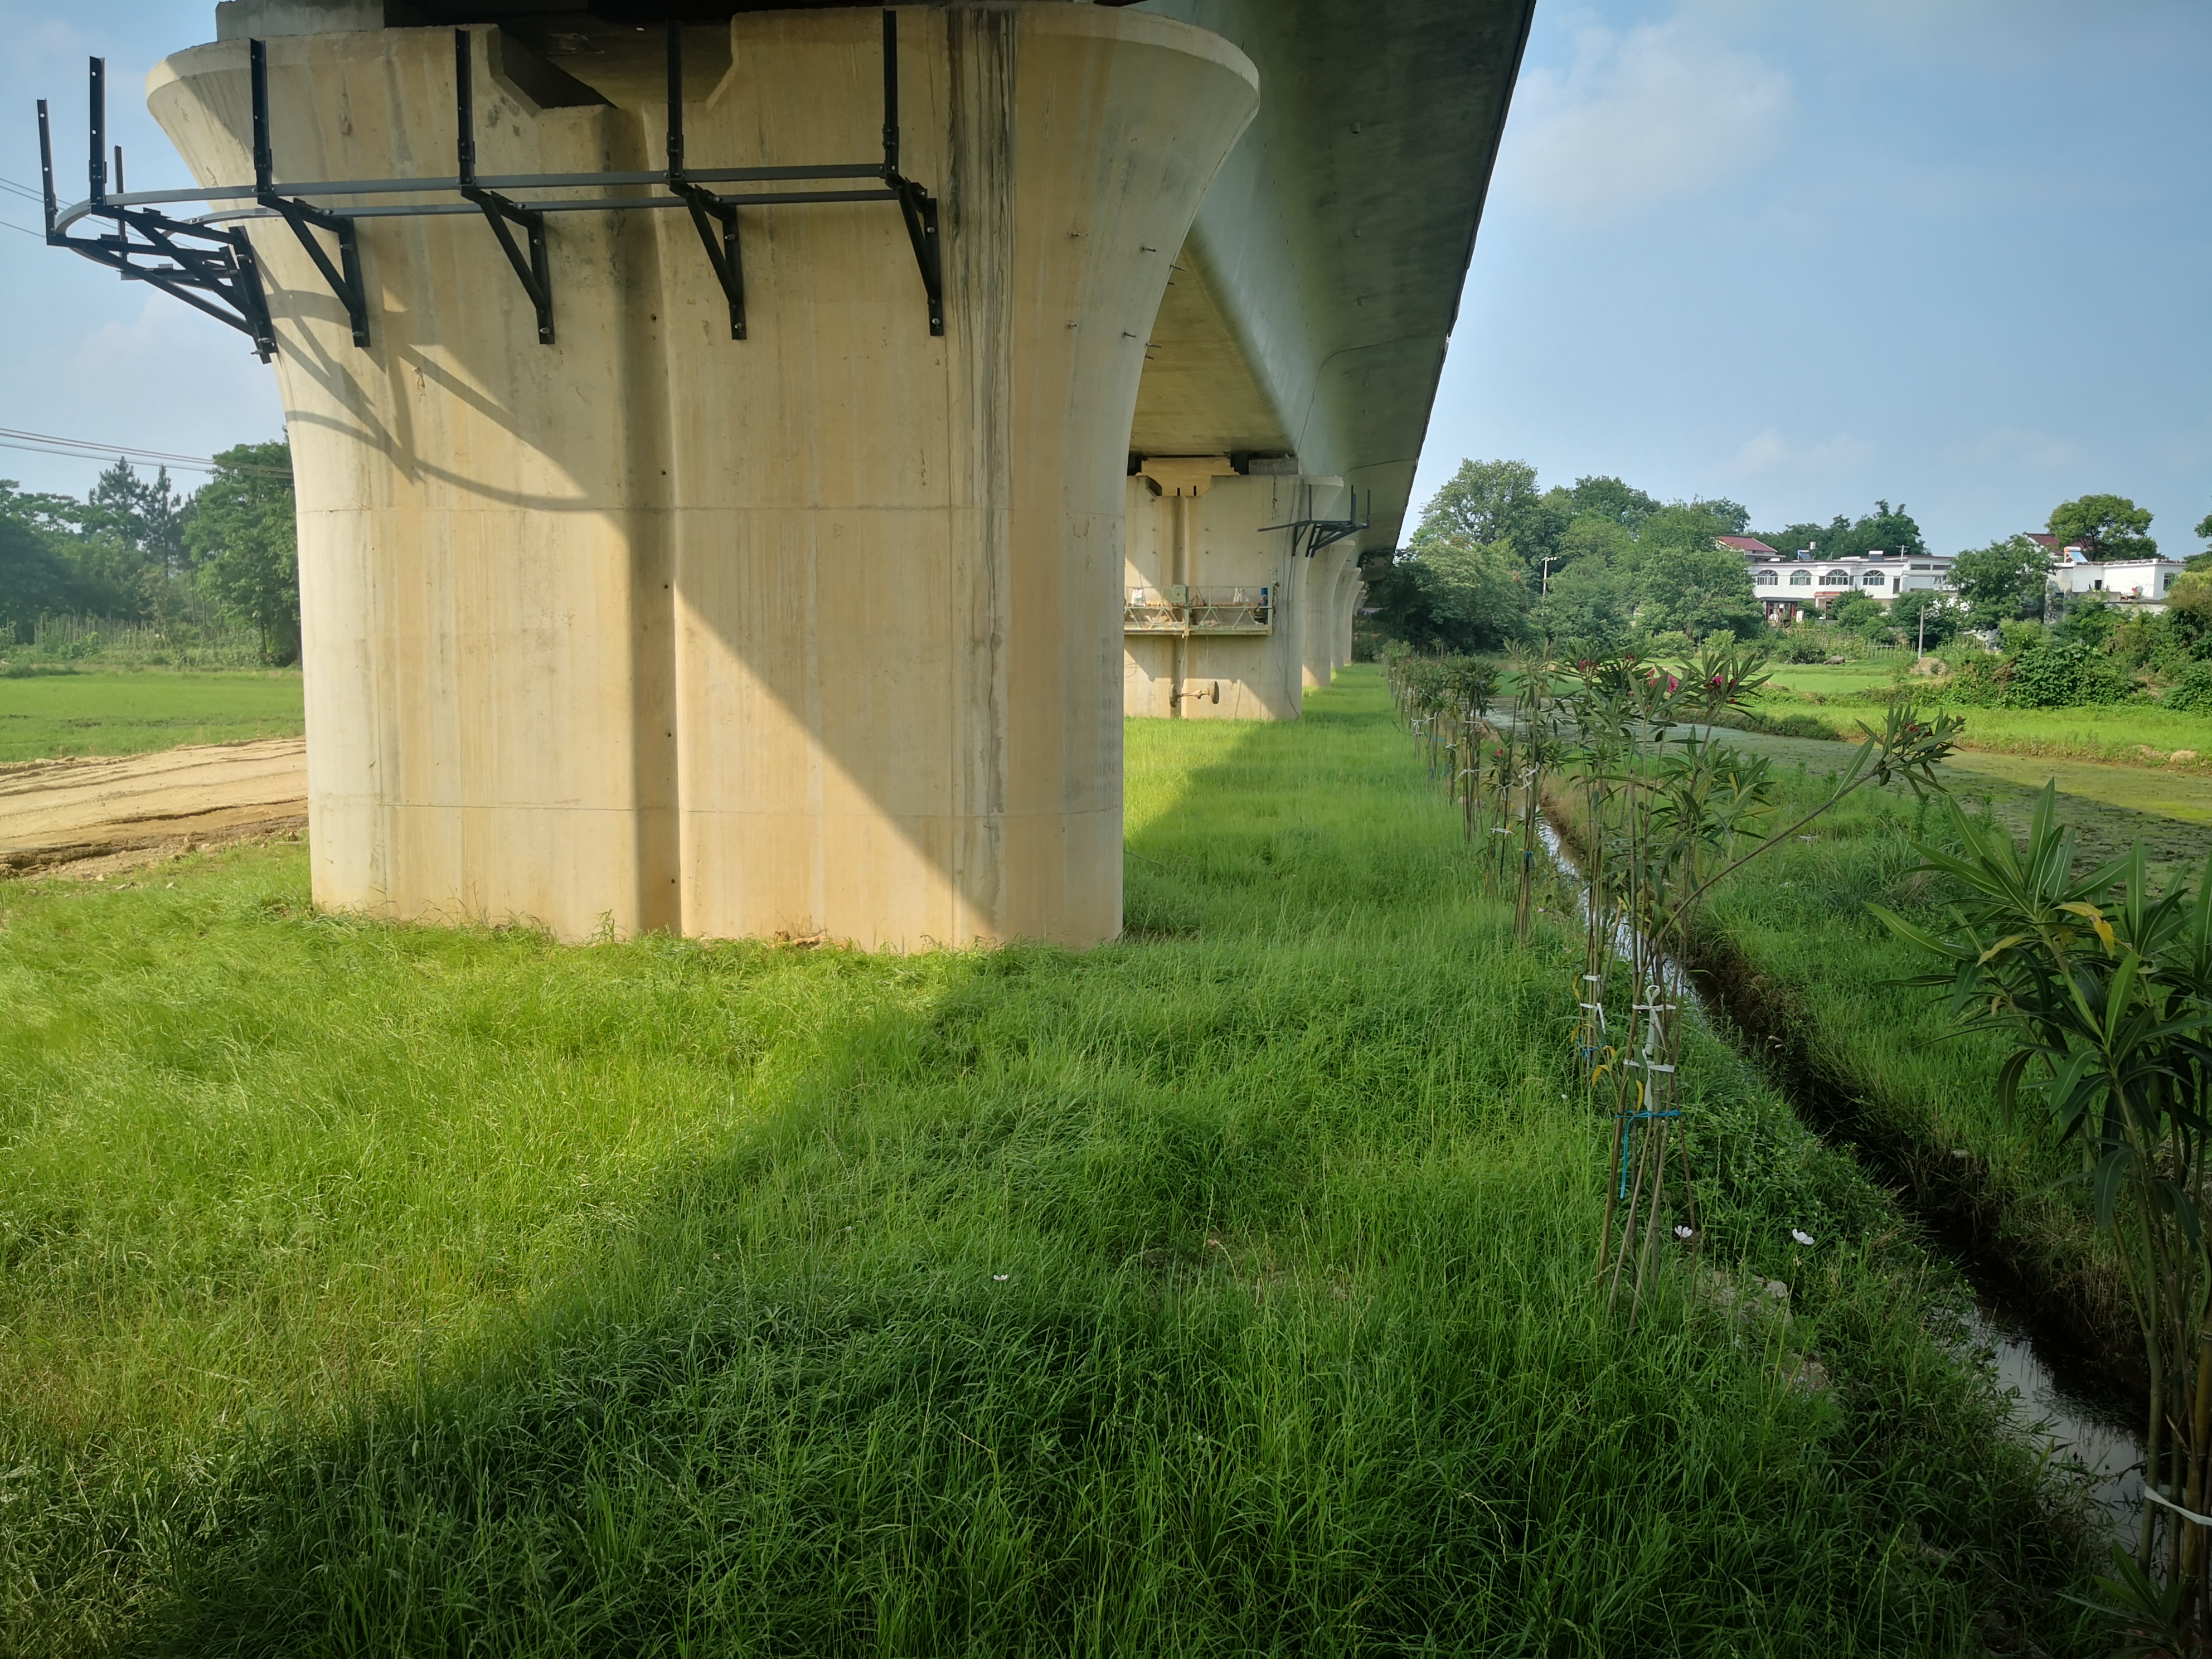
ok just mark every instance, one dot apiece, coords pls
pixel 90 818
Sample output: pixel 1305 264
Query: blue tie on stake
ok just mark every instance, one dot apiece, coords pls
pixel 1628 1139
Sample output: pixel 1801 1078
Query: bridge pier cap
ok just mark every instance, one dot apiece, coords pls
pixel 813 633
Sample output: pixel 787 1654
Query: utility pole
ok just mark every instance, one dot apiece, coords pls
pixel 1546 591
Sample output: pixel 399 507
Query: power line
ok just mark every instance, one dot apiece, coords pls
pixel 40 235
pixel 81 449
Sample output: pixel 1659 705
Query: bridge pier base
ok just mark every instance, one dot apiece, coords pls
pixel 812 633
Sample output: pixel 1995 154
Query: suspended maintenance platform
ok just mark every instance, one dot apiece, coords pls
pixel 747 459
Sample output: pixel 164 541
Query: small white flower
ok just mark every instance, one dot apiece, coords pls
pixel 1685 1234
pixel 1002 1278
pixel 1802 1235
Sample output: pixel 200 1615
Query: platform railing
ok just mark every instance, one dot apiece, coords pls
pixel 1248 609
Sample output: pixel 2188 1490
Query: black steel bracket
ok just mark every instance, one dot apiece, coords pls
pixel 535 273
pixel 727 259
pixel 209 268
pixel 916 206
pixel 210 263
pixel 345 278
pixel 1308 535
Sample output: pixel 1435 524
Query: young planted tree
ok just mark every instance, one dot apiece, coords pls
pixel 1667 812
pixel 2103 993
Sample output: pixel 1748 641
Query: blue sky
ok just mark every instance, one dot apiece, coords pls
pixel 1956 253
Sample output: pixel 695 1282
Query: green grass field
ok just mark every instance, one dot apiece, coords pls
pixel 1836 698
pixel 370 1289
pixel 115 712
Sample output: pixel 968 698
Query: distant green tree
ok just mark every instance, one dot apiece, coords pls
pixel 35 581
pixel 1609 498
pixel 1491 503
pixel 1731 516
pixel 1462 595
pixel 2003 581
pixel 2088 619
pixel 1855 613
pixel 243 532
pixel 2104 527
pixel 145 515
pixel 1592 602
pixel 1907 610
pixel 1686 584
pixel 1887 529
pixel 1591 536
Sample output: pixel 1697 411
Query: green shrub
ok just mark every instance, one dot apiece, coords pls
pixel 2192 693
pixel 2066 675
pixel 1804 644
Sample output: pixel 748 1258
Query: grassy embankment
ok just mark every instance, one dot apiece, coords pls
pixel 1821 701
pixel 113 712
pixel 1791 950
pixel 381 1289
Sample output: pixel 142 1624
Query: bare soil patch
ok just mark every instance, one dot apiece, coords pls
pixel 90 818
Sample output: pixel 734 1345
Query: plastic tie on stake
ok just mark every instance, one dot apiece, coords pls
pixel 2160 1498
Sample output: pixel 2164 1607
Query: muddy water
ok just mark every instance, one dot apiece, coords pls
pixel 2091 1433
pixel 2095 1434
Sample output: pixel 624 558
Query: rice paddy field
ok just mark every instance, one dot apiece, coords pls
pixel 1228 1289
pixel 51 715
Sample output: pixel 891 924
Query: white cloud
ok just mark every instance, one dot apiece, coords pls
pixel 1770 455
pixel 1640 117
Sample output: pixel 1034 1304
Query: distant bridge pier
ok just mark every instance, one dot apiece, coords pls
pixel 1220 619
pixel 614 622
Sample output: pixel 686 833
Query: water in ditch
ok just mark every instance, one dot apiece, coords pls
pixel 2068 1421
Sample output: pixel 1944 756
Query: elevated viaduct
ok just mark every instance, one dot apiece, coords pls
pixel 749 461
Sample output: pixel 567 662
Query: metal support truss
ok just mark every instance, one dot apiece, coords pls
pixel 498 211
pixel 211 264
pixel 1308 535
pixel 210 268
pixel 304 218
pixel 727 259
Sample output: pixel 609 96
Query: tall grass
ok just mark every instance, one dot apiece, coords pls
pixel 1810 975
pixel 380 1290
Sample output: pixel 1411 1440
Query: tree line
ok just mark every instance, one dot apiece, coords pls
pixel 1497 558
pixel 138 549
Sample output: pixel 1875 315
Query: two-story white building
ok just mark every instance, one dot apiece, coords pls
pixel 1789 588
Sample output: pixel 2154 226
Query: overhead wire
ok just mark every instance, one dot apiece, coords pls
pixel 81 449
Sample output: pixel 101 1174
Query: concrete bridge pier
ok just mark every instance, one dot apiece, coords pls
pixel 811 633
pixel 1219 622
pixel 1325 572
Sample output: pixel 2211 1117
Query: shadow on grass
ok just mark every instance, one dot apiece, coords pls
pixel 1220 1291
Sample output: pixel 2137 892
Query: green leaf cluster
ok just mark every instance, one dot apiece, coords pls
pixel 137 551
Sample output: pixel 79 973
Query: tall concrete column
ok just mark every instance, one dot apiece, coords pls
pixel 813 634
pixel 1324 572
pixel 1347 591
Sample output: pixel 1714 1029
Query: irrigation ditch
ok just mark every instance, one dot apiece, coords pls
pixel 2060 1342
